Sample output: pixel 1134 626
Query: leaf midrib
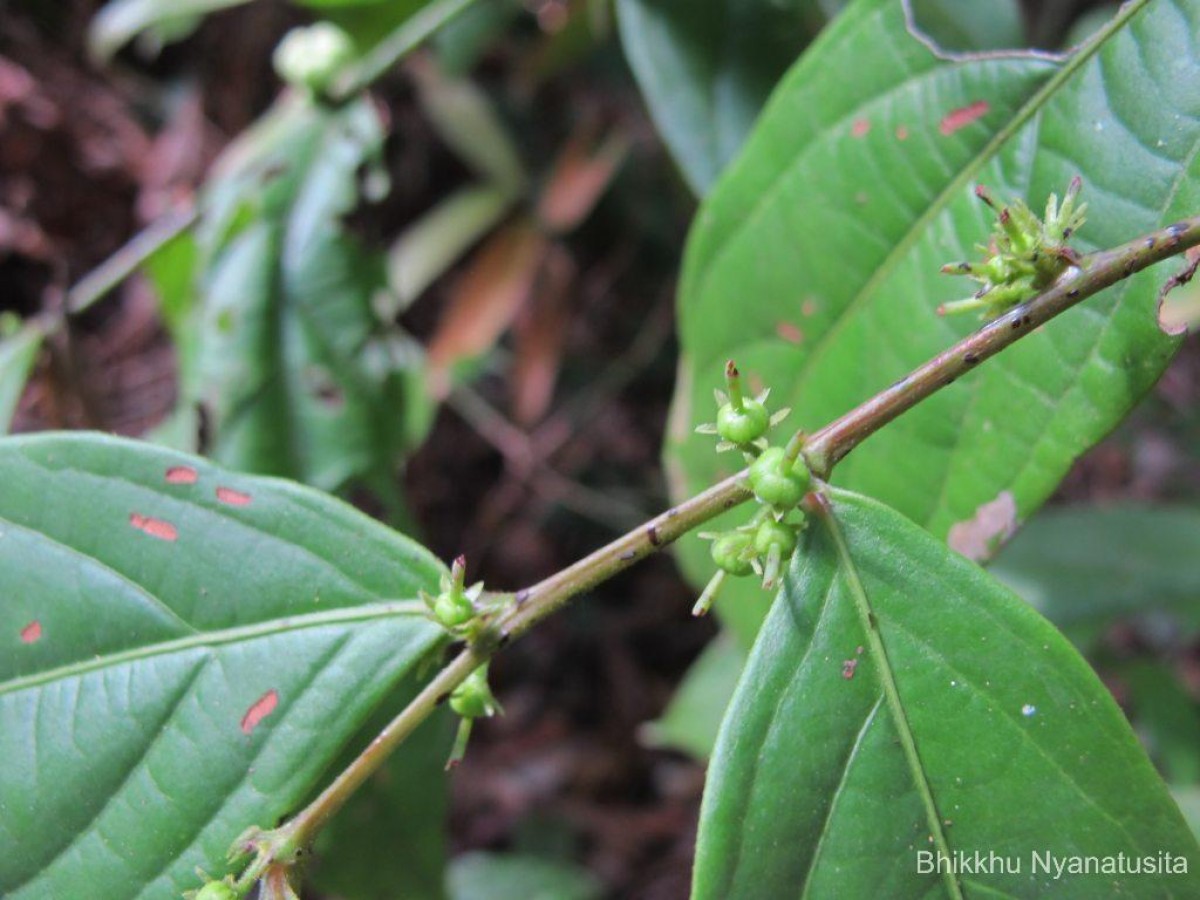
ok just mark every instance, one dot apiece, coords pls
pixel 868 620
pixel 343 616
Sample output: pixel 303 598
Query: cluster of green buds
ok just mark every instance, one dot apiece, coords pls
pixel 1024 255
pixel 779 478
pixel 473 699
pixel 466 614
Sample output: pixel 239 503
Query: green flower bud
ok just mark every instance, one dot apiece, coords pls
pixel 777 481
pixel 745 425
pixel 729 553
pixel 215 890
pixel 774 542
pixel 473 698
pixel 775 534
pixel 311 57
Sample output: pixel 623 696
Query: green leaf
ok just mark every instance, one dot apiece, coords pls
pixel 122 20
pixel 706 70
pixel 186 651
pixel 513 876
pixel 815 262
pixel 368 22
pixel 970 26
pixel 18 353
pixel 1167 719
pixel 900 700
pixel 172 272
pixel 691 721
pixel 296 374
pixel 1085 569
pixel 461 42
pixel 1188 798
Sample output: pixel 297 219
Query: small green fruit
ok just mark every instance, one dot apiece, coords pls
pixel 778 482
pixel 215 890
pixel 473 698
pixel 728 553
pixel 452 608
pixel 775 534
pixel 745 425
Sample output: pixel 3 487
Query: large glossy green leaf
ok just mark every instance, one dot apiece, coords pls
pixel 185 652
pixel 900 700
pixel 815 261
pixel 1087 568
pixel 294 373
pixel 706 69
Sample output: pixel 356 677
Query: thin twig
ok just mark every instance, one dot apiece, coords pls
pixel 106 276
pixel 308 823
pixel 825 449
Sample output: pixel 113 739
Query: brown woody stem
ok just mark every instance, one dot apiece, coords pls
pixel 823 451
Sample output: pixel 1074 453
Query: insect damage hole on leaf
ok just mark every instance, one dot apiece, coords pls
pixel 1181 312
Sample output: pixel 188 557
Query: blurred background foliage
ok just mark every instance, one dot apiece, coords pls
pixel 451 301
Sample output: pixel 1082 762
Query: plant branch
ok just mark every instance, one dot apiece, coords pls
pixel 308 823
pixel 1096 271
pixel 123 263
pixel 823 450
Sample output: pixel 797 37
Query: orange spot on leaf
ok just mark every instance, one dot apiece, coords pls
pixel 789 332
pixel 808 307
pixel 182 475
pixel 860 128
pixel 259 710
pixel 232 497
pixel 901 133
pixel 156 528
pixel 31 632
pixel 848 668
pixel 963 116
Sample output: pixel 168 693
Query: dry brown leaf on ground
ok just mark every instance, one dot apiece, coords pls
pixel 580 176
pixel 540 333
pixel 485 299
